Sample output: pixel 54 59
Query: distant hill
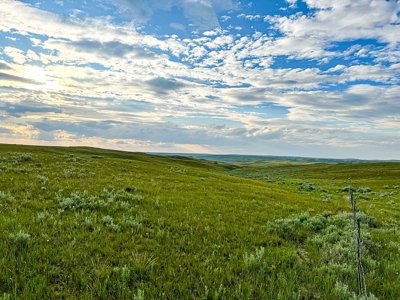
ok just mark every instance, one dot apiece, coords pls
pixel 230 158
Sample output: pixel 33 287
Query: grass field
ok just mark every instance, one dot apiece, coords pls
pixel 86 223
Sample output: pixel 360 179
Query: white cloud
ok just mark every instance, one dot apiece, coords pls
pixel 13 16
pixel 388 54
pixel 219 41
pixel 357 105
pixel 344 20
pixel 15 54
pixel 293 3
pixel 210 33
pixel 336 68
pixel 32 55
pixel 225 18
pixel 249 17
pixel 375 73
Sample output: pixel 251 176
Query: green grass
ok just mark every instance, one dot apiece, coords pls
pixel 87 223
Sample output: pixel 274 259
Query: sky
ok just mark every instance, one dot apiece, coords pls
pixel 315 78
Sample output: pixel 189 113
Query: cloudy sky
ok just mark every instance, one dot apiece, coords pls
pixel 282 77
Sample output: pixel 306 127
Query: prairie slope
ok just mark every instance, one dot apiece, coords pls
pixel 84 223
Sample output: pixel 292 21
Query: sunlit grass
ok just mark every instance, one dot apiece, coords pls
pixel 84 223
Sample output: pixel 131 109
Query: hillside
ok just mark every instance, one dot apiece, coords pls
pixel 234 158
pixel 87 223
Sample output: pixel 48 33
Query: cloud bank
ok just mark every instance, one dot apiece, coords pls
pixel 316 81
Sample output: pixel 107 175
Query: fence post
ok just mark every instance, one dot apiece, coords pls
pixel 362 289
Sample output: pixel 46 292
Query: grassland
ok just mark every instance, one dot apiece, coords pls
pixel 86 223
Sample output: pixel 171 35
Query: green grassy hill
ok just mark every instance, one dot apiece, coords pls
pixel 87 223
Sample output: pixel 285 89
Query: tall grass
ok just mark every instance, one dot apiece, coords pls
pixel 133 226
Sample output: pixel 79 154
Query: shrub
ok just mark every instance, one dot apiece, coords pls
pixel 332 233
pixel 43 179
pixel 255 262
pixel 297 228
pixel 363 189
pixel 74 202
pixel 7 197
pixel 326 197
pixel 123 195
pixel 347 188
pixel 114 227
pixel 89 223
pixel 107 199
pixel 25 157
pixel 162 235
pixel 122 274
pixel 5 296
pixel 343 293
pixel 316 223
pixel 367 220
pixel 306 187
pixel 41 216
pixel 107 220
pixel 139 295
pixel 124 205
pixel 129 222
pixel 20 239
pixel 68 173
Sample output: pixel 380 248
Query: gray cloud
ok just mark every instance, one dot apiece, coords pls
pixel 161 85
pixel 113 49
pixel 85 128
pixel 8 77
pixel 143 53
pixel 110 48
pixel 5 130
pixel 18 109
pixel 247 95
pixel 158 132
pixel 4 66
